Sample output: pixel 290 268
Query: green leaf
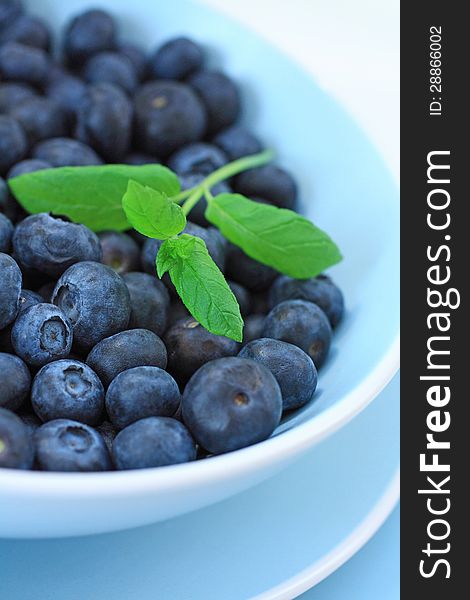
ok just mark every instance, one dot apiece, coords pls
pixel 277 237
pixel 89 195
pixel 200 285
pixel 151 212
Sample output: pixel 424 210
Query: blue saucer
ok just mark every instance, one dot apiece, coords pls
pixel 283 536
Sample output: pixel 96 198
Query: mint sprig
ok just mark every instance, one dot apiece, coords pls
pixel 148 197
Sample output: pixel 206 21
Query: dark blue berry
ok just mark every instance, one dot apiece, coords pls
pixel 137 58
pixel 108 433
pixel 66 152
pixel 168 115
pixel 10 289
pixel 200 158
pixel 153 442
pixel 23 63
pixel 149 302
pixel 68 389
pixel 139 393
pixel 29 298
pixel 253 328
pixel 112 67
pixel 176 59
pixel 177 312
pixel 16 381
pixel 243 297
pixel 220 97
pixel 46 291
pixel 41 334
pixel 30 165
pixel 67 91
pixel 96 301
pixel 6 233
pixel 12 94
pixel 269 182
pixel 126 350
pixel 51 245
pixel 120 251
pixel 41 119
pixel 65 445
pixel 104 121
pixel 13 143
pixel 236 142
pixel 320 290
pixel 248 272
pixel 16 446
pixel 87 34
pixel 231 403
pixel 190 346
pixel 10 10
pixel 27 30
pixel 303 324
pixel 140 158
pixel 31 421
pixel 292 367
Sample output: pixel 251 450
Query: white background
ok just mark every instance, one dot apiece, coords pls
pixel 356 60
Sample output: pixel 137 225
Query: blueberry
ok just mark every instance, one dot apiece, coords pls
pixel 236 142
pixel 139 393
pixel 168 115
pixel 16 447
pixel 65 445
pixel 29 298
pixel 153 442
pixel 248 272
pixel 108 433
pixel 27 30
pixel 112 67
pixel 125 350
pixel 23 63
pixel 137 58
pixel 303 324
pixel 6 233
pixel 220 97
pixel 51 245
pixel 67 91
pixel 269 182
pixel 140 158
pixel 190 346
pixel 292 367
pixel 41 119
pixel 190 180
pixel 12 94
pixel 177 312
pixel 87 34
pixel 231 403
pixel 31 421
pixel 200 158
pixel 66 152
pixel 120 251
pixel 320 290
pixel 68 389
pixel 10 10
pixel 253 329
pixel 149 302
pixel 243 297
pixel 96 301
pixel 41 334
pixel 13 143
pixel 104 121
pixel 29 165
pixel 176 59
pixel 10 289
pixel 16 381
pixel 46 291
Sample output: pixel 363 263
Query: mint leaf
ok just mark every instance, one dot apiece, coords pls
pixel 277 237
pixel 200 285
pixel 89 195
pixel 151 212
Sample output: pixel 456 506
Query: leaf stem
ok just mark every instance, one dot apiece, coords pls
pixel 182 195
pixel 196 194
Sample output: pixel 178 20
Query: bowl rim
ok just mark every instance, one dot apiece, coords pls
pixel 276 449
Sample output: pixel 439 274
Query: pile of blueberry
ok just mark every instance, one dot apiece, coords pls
pixel 101 366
